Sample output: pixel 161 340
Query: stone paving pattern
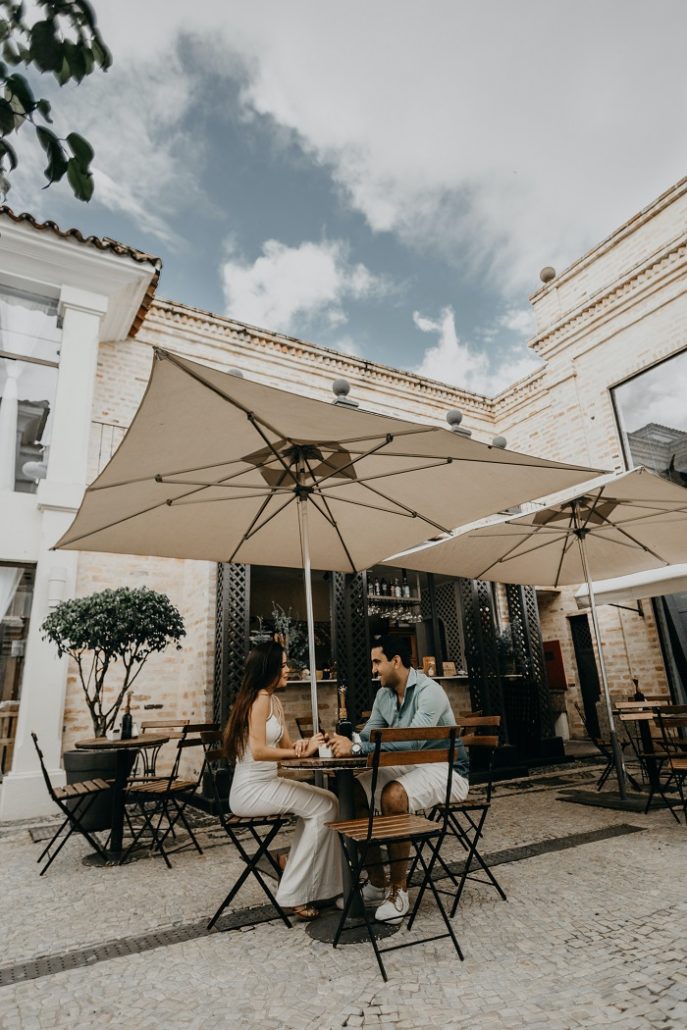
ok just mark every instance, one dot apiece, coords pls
pixel 591 936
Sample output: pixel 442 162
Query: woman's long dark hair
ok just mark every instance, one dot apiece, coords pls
pixel 262 671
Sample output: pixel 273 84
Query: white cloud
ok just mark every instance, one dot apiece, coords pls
pixel 499 136
pixel 451 361
pixel 290 288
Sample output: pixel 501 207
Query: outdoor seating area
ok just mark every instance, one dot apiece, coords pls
pixel 569 886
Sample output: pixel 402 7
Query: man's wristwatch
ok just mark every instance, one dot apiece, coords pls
pixel 356 749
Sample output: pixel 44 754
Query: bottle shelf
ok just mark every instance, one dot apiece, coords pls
pixel 388 599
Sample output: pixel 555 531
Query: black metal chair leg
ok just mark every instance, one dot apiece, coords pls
pixel 428 879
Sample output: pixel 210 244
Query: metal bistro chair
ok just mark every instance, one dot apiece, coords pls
pixel 465 819
pixel 174 729
pixel 365 834
pixel 80 797
pixel 605 748
pixel 672 722
pixel 263 829
pixel 165 798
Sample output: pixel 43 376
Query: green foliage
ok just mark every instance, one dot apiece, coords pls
pixel 66 43
pixel 125 625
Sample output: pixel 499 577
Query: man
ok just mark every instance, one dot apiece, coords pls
pixel 406 698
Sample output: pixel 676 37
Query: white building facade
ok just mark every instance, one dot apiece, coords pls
pixel 77 325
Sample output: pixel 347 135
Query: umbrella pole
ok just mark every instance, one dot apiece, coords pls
pixel 305 552
pixel 580 533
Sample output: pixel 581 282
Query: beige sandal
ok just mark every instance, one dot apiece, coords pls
pixel 305 912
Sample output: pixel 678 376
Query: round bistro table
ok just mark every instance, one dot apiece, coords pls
pixel 126 752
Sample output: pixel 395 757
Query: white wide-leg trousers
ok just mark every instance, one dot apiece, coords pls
pixel 313 869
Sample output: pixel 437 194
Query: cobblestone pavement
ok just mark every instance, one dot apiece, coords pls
pixel 592 935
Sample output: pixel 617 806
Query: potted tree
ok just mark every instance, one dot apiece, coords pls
pixel 109 631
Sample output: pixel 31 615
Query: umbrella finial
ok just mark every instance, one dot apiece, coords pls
pixel 500 442
pixel 341 389
pixel 454 418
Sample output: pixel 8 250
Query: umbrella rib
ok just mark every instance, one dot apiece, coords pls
pixel 329 515
pixel 634 540
pixel 181 472
pixel 217 500
pixel 407 514
pixel 414 514
pixel 510 556
pixel 398 472
pixel 567 541
pixel 331 520
pixel 366 454
pixel 220 485
pixel 118 522
pixel 250 532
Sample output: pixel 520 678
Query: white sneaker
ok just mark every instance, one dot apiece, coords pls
pixel 394 908
pixel 374 895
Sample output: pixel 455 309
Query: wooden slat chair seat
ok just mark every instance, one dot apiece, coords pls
pixel 75 790
pixel 164 799
pixel 358 836
pixel 263 829
pixel 466 819
pixel 80 797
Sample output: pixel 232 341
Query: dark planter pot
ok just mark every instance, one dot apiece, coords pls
pixel 93 765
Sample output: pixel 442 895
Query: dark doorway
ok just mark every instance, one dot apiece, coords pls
pixel 586 666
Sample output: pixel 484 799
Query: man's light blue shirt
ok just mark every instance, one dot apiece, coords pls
pixel 425 703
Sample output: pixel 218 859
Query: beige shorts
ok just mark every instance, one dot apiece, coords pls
pixel 425 785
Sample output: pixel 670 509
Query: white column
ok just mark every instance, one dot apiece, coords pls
pixel 9 407
pixel 45 676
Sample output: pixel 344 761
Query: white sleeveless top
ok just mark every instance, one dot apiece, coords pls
pixel 246 767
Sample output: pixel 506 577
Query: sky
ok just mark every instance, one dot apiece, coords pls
pixel 383 178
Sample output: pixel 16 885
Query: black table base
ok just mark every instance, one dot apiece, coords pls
pixel 324 928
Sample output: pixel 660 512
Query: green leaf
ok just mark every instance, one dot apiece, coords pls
pixel 18 85
pixel 64 73
pixel 6 117
pixel 80 180
pixel 7 151
pixel 75 58
pixel 81 149
pixel 46 49
pixel 44 107
pixel 4 29
pixel 47 139
pixel 10 53
pixel 102 55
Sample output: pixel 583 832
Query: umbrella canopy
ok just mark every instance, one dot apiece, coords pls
pixel 619 525
pixel 632 522
pixel 623 589
pixel 213 465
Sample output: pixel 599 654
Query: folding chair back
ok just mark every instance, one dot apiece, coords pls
pixel 362 835
pixel 262 829
pixel 673 726
pixel 166 798
pixel 148 756
pixel 73 800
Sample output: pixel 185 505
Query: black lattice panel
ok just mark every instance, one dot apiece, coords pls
pixel 536 715
pixel 481 654
pixel 447 612
pixel 232 639
pixel 360 689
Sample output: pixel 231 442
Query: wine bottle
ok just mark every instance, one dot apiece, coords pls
pixel 405 586
pixel 127 721
pixel 397 588
pixel 376 587
pixel 383 587
pixel 344 726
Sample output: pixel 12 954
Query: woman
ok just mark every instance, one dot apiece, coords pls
pixel 256 739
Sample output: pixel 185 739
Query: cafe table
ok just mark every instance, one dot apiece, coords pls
pixel 343 771
pixel 126 752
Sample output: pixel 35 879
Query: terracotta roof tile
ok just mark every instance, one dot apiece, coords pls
pixel 100 243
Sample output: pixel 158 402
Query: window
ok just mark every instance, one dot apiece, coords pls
pixel 652 416
pixel 29 357
pixel 16 594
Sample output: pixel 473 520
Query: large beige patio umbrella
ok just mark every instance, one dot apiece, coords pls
pixel 619 524
pixel 218 468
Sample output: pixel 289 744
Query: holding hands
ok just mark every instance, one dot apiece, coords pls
pixel 310 746
pixel 341 746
